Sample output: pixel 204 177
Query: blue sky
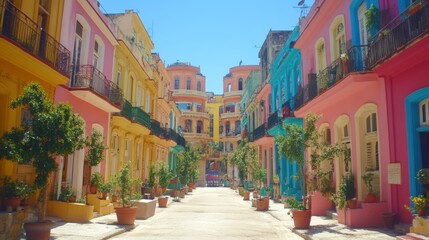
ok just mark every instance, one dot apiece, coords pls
pixel 214 35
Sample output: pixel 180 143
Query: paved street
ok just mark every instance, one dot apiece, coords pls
pixel 210 213
pixel 213 213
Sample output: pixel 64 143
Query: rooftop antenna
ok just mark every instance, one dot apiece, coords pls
pixel 304 8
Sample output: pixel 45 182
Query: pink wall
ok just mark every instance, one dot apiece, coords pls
pixel 318 26
pixel 404 74
pixel 71 10
pixel 90 113
pixel 184 71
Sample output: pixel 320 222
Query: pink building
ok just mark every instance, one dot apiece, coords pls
pixel 90 91
pixel 352 103
pixel 398 53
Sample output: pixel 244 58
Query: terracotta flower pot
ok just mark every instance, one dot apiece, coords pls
pixel 38 230
pixel 93 189
pixel 371 198
pixel 126 215
pixel 12 202
pixel 72 199
pixel 352 203
pixel 301 218
pixel 114 198
pixel 246 196
pixel 162 202
pixel 260 205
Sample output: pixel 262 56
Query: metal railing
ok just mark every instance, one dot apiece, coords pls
pixel 24 32
pixel 135 114
pixel 181 141
pixel 156 129
pixel 273 120
pixel 401 31
pixel 87 76
pixel 260 132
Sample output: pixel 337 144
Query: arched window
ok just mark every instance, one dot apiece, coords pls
pixel 237 126
pixel 199 126
pixel 227 128
pixel 338 37
pixel 188 84
pixel 199 86
pixel 176 82
pixel 188 125
pixel 96 55
pixel 320 55
pixel 240 84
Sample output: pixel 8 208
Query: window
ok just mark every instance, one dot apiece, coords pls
pixel 338 37
pixel 139 96
pixel 199 107
pixel 221 109
pixel 199 86
pixel 77 48
pixel 96 55
pixel 230 107
pixel 227 128
pixel 148 107
pixel 199 126
pixel 129 91
pixel 424 112
pixel 363 33
pixel 229 87
pixel 188 125
pixel 371 123
pixel 188 84
pixel 118 77
pixel 240 84
pixel 176 82
pixel 237 126
pixel 346 131
pixel 320 55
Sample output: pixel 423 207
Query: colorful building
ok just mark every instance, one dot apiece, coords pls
pixel 230 113
pixel 188 85
pixel 90 90
pixel 285 80
pixel 30 52
pixel 397 53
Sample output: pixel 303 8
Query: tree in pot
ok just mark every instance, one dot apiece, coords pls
pixel 13 192
pixel 164 177
pixel 105 188
pixel 293 145
pixel 94 155
pixel 52 130
pixel 152 181
pixel 243 158
pixel 368 179
pixel 187 161
pixel 127 213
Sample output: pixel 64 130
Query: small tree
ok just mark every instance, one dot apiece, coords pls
pixel 53 130
pixel 245 157
pixel 95 149
pixel 164 175
pixel 125 185
pixel 187 162
pixel 293 146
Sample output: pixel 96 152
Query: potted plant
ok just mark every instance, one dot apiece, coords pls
pixel 127 213
pixel 292 146
pixel 350 190
pixel 368 179
pixel 13 192
pixel 297 211
pixel 152 181
pixel 53 130
pixel 95 182
pixel 372 23
pixel 164 177
pixel 419 205
pixel 65 194
pixel 105 188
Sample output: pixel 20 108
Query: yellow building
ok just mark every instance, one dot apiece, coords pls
pixel 133 74
pixel 30 52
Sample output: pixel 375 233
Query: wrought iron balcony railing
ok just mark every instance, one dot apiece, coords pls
pixel 25 33
pixel 156 129
pixel 181 141
pixel 135 114
pixel 260 132
pixel 171 134
pixel 87 76
pixel 273 120
pixel 401 31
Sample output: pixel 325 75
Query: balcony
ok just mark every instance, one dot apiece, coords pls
pixel 135 114
pixel 156 129
pixel 354 61
pixel 188 113
pixel 171 134
pixel 273 120
pixel 193 93
pixel 230 115
pixel 232 94
pixel 233 133
pixel 194 135
pixel 181 141
pixel 260 132
pixel 400 32
pixel 89 84
pixel 19 29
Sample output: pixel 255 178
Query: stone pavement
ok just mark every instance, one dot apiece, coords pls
pixel 321 228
